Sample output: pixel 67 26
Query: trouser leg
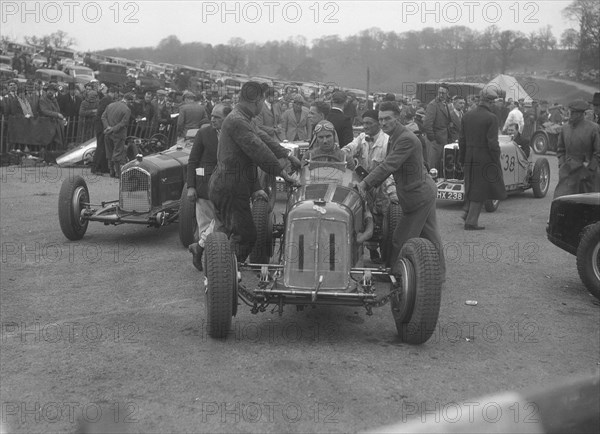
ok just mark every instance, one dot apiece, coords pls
pixel 234 212
pixel 207 220
pixel 473 214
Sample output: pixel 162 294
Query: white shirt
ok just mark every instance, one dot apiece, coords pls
pixel 515 117
pixel 370 156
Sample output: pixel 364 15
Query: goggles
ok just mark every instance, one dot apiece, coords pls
pixel 327 127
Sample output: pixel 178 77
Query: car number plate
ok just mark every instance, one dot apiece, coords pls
pixel 450 195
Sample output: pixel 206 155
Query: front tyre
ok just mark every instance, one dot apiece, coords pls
pixel 540 178
pixel 221 283
pixel 416 306
pixel 72 200
pixel 588 259
pixel 263 222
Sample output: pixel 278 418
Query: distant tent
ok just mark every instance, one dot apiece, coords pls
pixel 510 87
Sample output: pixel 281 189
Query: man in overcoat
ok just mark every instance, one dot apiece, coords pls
pixel 242 148
pixel 479 153
pixel 201 163
pixel 578 152
pixel 48 107
pixel 415 189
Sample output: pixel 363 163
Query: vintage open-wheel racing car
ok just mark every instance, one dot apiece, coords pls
pixel 519 172
pixel 319 260
pixel 151 188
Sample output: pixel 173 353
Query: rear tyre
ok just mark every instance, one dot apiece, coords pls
pixel 263 221
pixel 390 221
pixel 416 307
pixel 540 178
pixel 588 259
pixel 491 205
pixel 221 282
pixel 539 143
pixel 72 198
pixel 187 219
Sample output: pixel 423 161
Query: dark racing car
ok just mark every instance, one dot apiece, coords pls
pixel 319 261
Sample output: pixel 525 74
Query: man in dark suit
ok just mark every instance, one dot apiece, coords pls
pixel 415 189
pixel 341 122
pixel 201 163
pixel 479 153
pixel 437 121
pixel 10 103
pixel 70 104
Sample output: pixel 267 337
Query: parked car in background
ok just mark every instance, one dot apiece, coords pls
pixel 574 226
pixel 53 76
pixel 80 74
pixel 546 139
pixel 112 74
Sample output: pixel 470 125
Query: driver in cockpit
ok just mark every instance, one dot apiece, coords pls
pixel 325 146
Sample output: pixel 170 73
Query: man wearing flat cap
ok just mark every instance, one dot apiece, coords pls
pixel 578 152
pixel 242 149
pixel 341 122
pixel 115 120
pixel 479 154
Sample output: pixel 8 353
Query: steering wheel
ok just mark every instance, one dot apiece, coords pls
pixel 330 158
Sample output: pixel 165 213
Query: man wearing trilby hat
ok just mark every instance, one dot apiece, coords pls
pixel 578 152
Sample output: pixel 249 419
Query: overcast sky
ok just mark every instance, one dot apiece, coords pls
pixel 107 24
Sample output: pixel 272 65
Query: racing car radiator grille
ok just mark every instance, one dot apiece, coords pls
pixel 135 194
pixel 452 168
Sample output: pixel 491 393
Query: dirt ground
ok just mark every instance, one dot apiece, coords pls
pixel 111 328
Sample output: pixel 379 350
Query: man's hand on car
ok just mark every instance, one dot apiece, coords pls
pixel 191 194
pixel 260 194
pixel 287 178
pixel 362 188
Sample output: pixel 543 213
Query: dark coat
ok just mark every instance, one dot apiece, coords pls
pixel 523 143
pixel 454 129
pixel 576 145
pixel 404 160
pixel 242 148
pixel 69 106
pixel 11 106
pixel 203 155
pixel 342 125
pixel 49 107
pixel 479 152
pixel 104 102
pixel 437 121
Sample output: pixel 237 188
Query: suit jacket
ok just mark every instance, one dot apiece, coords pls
pixel 69 107
pixel 11 106
pixel 104 102
pixel 291 126
pixel 34 102
pixel 414 187
pixel 268 121
pixel 116 116
pixel 342 125
pixel 204 156
pixel 437 122
pixel 191 116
